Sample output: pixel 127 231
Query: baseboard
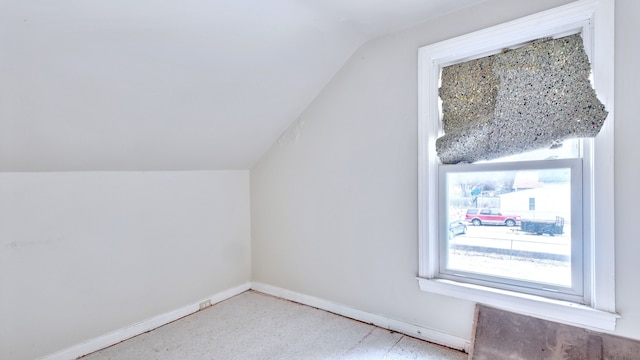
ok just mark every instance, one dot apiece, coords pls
pixel 416 331
pixel 128 332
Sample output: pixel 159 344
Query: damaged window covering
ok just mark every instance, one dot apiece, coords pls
pixel 520 100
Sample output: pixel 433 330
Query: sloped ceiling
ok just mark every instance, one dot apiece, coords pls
pixel 172 84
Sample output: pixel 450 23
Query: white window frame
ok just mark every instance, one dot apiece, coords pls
pixel 576 293
pixel 595 20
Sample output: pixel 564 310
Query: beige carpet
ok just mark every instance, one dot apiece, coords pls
pixel 253 325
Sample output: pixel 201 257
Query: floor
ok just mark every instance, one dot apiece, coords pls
pixel 253 325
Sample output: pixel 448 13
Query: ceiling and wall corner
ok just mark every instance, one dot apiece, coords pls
pixel 172 85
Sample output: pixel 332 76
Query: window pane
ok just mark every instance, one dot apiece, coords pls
pixel 567 149
pixel 512 224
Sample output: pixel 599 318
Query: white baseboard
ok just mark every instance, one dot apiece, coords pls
pixel 128 332
pixel 416 331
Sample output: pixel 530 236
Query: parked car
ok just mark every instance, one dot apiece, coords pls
pixel 457 228
pixel 491 217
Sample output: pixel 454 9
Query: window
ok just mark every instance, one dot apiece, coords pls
pixel 506 203
pixel 531 251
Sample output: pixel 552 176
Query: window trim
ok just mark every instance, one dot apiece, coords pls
pixel 599 235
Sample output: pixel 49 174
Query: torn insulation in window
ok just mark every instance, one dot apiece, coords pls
pixel 519 100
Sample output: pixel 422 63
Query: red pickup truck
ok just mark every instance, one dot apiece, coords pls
pixel 491 217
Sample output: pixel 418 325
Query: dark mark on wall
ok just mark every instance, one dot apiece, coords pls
pixel 22 244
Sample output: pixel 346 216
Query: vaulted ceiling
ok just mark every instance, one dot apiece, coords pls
pixel 172 85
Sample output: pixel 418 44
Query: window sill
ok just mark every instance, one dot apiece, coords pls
pixel 553 310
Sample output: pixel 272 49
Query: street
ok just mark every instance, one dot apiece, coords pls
pixel 511 253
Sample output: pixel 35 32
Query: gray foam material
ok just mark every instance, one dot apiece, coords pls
pixel 519 100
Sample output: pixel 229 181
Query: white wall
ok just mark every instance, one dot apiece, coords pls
pixel 86 253
pixel 627 172
pixel 334 203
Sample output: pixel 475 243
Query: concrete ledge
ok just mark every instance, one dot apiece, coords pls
pixel 517 253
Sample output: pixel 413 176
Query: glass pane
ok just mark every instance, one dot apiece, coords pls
pixel 510 224
pixel 567 149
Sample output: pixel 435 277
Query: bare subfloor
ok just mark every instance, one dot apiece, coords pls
pixel 257 326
